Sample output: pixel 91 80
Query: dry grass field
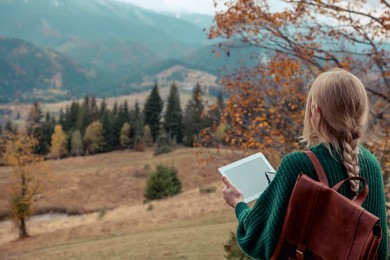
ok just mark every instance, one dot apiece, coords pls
pixel 109 188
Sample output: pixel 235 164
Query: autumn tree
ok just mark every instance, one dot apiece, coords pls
pixel 173 115
pixel 94 138
pixel 124 137
pixel 265 105
pixel 152 112
pixel 27 176
pixel 147 136
pixel 58 143
pixel 76 143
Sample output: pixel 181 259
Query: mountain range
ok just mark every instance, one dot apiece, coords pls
pixel 101 47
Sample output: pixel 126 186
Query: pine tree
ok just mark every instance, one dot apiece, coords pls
pixel 72 117
pixel 173 115
pixel 61 118
pixel 94 138
pixel 124 137
pixel 137 121
pixel 34 126
pixel 77 143
pixel 93 109
pixel 163 183
pixel 102 109
pixel 152 112
pixel 47 131
pixel 163 144
pixel 58 143
pixel 108 131
pixel 192 120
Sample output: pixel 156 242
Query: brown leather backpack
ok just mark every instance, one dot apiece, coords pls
pixel 320 223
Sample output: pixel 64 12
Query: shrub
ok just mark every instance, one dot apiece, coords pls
pixel 162 149
pixel 163 145
pixel 162 183
pixel 233 251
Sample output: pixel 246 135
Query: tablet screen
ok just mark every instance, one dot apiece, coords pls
pixel 251 175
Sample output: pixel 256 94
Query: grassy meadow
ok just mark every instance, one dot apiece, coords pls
pixel 105 191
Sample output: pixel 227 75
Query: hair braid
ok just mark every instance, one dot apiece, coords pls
pixel 350 158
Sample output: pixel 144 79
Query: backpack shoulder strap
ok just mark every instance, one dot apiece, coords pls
pixel 317 166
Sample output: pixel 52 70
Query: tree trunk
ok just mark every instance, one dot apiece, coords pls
pixel 22 229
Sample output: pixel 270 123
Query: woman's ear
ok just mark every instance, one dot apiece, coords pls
pixel 315 110
pixel 315 115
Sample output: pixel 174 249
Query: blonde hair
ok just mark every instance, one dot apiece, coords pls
pixel 343 114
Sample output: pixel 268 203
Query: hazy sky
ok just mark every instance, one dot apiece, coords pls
pixel 191 6
pixel 188 6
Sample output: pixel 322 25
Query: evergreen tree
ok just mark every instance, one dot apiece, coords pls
pixel 47 131
pixel 125 113
pixel 58 143
pixel 61 118
pixel 116 130
pixel 152 112
pixel 76 143
pixel 137 121
pixel 34 127
pixel 94 138
pixel 93 109
pixel 87 113
pixel 173 115
pixel 163 145
pixel 108 132
pixel 192 120
pixel 72 117
pixel 102 109
pixel 124 137
pixel 162 183
pixel 115 108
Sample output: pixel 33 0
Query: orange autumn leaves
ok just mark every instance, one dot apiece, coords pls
pixel 266 102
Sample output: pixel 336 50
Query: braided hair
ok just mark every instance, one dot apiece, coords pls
pixel 342 104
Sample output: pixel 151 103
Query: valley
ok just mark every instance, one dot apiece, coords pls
pixel 119 225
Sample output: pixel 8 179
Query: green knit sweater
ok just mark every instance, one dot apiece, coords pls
pixel 259 228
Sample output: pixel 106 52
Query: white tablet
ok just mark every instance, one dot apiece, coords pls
pixel 251 175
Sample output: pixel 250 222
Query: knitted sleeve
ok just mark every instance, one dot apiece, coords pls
pixel 376 200
pixel 259 228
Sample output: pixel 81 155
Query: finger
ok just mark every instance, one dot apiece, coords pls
pixel 226 181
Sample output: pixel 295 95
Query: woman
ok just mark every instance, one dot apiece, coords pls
pixel 335 119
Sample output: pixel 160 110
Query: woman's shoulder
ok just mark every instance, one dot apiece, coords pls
pixel 294 163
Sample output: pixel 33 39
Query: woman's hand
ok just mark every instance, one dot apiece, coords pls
pixel 231 194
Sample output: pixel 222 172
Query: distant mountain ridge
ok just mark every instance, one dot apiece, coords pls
pixel 101 47
pixel 27 71
pixel 49 22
